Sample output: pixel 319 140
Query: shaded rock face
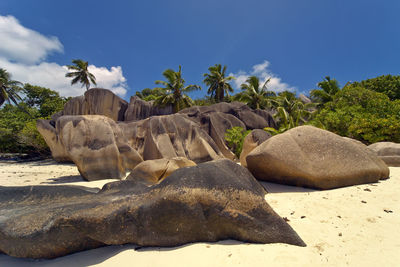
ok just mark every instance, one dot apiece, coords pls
pixel 94 143
pixel 97 101
pixel 218 118
pixel 154 171
pixel 252 119
pixel 170 136
pixel 209 202
pixel 311 157
pixel 251 141
pixel 389 152
pixel 139 109
pixel 49 134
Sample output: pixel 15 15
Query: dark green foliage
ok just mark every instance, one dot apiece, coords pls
pixel 205 101
pixel 45 100
pixel 386 84
pixel 12 122
pixel 173 92
pixel 218 84
pixel 18 133
pixel 255 95
pixel 290 112
pixel 149 94
pixel 235 137
pixel 9 89
pixel 328 88
pixel 361 114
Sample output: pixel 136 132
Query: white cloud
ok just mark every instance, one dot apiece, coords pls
pixel 263 73
pixel 24 45
pixel 22 54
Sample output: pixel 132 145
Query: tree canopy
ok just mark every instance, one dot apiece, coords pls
pixel 255 95
pixel 173 92
pixel 328 88
pixel 80 73
pixel 362 114
pixel 217 82
pixel 386 84
pixel 9 89
pixel 18 131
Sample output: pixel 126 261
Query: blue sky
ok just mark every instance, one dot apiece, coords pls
pixel 130 43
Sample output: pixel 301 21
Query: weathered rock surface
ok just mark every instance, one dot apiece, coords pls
pixel 97 101
pixel 139 109
pixel 209 202
pixel 216 124
pixel 251 141
pixel 154 171
pixel 48 131
pixel 354 140
pixel 170 136
pixel 94 143
pixel 389 152
pixel 253 119
pixel 217 118
pixel 311 157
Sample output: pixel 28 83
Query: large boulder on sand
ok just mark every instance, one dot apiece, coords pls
pixel 97 101
pixel 209 202
pixel 154 171
pixel 170 136
pixel 311 157
pixel 389 152
pixel 139 109
pixel 251 141
pixel 94 143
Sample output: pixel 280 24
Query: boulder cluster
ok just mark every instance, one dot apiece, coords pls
pixel 101 127
pixel 184 184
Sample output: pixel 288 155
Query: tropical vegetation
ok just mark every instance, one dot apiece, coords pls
pixel 235 137
pixel 328 88
pixel 255 95
pixel 368 110
pixel 174 90
pixel 80 73
pixel 362 114
pixel 218 83
pixel 18 133
pixel 9 89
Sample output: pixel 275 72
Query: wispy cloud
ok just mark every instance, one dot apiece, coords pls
pixel 263 72
pixel 23 53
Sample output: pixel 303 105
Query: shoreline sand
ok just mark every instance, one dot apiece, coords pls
pixel 355 226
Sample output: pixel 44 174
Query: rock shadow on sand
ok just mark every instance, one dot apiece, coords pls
pixel 64 179
pixel 280 188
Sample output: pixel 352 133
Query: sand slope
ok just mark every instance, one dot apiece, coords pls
pixel 355 226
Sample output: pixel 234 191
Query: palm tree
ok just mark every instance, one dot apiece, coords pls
pixel 8 88
pixel 328 89
pixel 174 91
pixel 254 95
pixel 291 112
pixel 80 73
pixel 217 82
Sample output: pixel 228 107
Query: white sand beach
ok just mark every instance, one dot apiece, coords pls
pixel 354 226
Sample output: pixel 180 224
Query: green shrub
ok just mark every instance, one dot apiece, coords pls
pixel 18 133
pixel 361 114
pixel 235 137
